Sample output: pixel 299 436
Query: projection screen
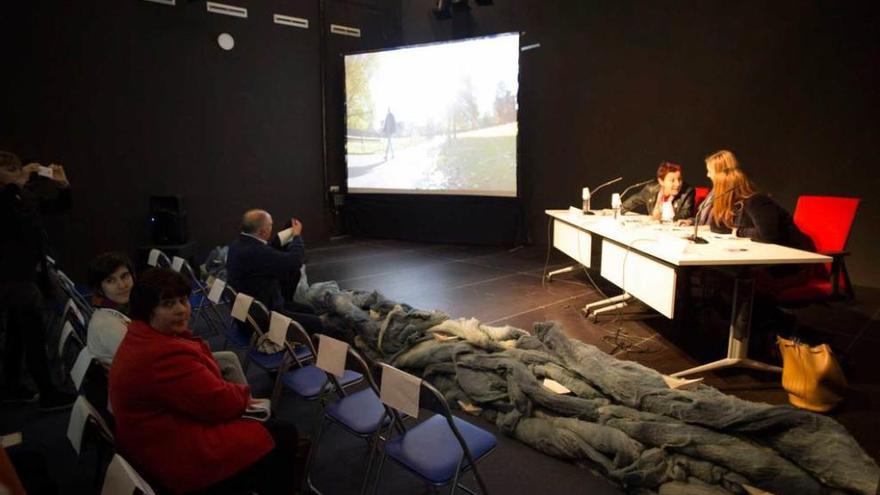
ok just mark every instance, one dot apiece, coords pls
pixel 434 119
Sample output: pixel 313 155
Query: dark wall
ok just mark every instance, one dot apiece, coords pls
pixel 617 87
pixel 136 98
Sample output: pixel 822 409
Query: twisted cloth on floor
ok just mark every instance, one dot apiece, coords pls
pixel 620 416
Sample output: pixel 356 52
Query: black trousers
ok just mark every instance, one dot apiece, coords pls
pixel 276 473
pixel 23 304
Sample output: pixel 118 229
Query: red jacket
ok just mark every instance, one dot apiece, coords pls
pixel 176 418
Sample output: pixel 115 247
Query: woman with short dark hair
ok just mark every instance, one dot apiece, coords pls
pixel 111 277
pixel 176 417
pixel 669 189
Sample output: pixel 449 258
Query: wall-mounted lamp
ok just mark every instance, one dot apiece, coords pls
pixel 226 41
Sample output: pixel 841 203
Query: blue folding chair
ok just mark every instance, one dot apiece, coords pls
pixel 257 325
pixel 71 291
pixel 361 414
pixel 440 449
pixel 306 380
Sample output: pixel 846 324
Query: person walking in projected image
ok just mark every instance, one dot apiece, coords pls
pixel 389 127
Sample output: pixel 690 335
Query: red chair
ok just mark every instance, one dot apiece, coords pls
pixel 700 194
pixel 827 220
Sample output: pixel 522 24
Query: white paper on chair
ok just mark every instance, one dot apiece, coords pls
pixel 241 306
pixel 71 306
pixel 400 390
pixel 153 257
pixel 80 366
pixel 177 263
pixel 66 330
pixel 278 326
pixel 10 440
pixel 216 291
pixel 78 416
pixel 122 478
pixel 331 355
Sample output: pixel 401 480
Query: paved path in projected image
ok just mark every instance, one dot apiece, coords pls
pixel 407 170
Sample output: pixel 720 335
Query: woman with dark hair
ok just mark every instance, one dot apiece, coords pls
pixel 176 418
pixel 111 277
pixel 669 190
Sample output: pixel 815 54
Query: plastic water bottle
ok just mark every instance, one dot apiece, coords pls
pixel 615 204
pixel 667 214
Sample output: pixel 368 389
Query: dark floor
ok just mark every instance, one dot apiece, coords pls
pixel 499 286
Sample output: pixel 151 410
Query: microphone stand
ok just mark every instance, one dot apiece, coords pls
pixel 695 238
pixel 630 188
pixel 589 195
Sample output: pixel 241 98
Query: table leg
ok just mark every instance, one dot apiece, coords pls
pixel 740 329
pixel 561 271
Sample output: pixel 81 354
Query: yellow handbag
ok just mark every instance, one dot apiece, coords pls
pixel 811 375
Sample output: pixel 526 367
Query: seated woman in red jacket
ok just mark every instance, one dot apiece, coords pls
pixel 177 419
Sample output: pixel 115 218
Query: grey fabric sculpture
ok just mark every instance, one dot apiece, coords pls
pixel 621 416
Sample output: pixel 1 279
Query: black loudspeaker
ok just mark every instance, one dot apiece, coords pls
pixel 167 220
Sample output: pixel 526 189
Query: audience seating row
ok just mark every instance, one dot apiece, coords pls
pixel 439 449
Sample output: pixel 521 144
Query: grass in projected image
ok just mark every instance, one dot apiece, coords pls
pixel 475 163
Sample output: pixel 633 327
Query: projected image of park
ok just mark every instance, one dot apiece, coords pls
pixel 434 119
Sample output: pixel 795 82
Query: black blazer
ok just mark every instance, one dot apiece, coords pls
pixel 761 219
pixel 23 239
pixel 260 270
pixel 682 203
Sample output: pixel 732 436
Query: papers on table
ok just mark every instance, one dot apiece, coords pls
pixel 400 390
pixel 331 355
pixel 241 306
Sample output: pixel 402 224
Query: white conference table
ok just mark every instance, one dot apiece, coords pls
pixel 644 258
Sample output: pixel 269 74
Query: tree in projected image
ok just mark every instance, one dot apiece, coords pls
pixel 505 104
pixel 467 112
pixel 358 97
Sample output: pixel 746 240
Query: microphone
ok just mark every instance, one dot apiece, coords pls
pixel 585 195
pixel 696 239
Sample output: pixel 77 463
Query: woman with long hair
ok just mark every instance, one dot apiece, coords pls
pixel 737 204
